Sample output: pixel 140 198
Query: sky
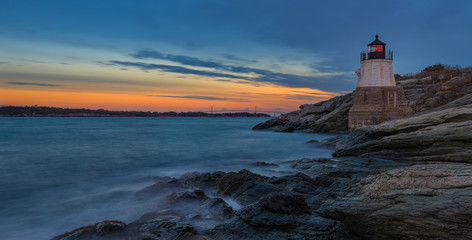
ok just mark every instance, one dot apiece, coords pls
pixel 189 55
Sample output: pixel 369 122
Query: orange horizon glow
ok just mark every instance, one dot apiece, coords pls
pixel 263 99
pixel 45 75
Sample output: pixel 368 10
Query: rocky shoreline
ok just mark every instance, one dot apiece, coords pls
pixel 408 178
pixel 328 198
pixel 244 205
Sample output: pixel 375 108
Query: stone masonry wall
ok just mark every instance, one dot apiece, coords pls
pixel 374 105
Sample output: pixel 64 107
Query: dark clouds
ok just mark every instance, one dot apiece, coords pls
pixel 236 58
pixel 420 32
pixel 170 68
pixel 280 96
pixel 333 82
pixel 185 60
pixel 34 84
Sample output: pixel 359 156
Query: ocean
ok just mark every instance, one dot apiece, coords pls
pixel 57 174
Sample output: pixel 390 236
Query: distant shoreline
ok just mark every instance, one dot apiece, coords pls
pixel 35 111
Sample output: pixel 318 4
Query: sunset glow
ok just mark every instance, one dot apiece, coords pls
pixel 191 55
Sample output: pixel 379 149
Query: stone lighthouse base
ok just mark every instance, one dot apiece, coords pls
pixel 374 105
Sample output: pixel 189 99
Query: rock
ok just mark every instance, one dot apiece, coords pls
pixel 444 135
pixel 427 201
pixel 263 164
pixel 164 227
pixel 219 205
pixel 255 192
pixel 189 194
pixel 328 117
pixel 426 80
pixel 321 107
pixel 284 202
pixel 293 227
pixel 234 184
pixel 424 93
pixel 279 215
pixel 160 189
pixel 427 94
pixel 96 231
pixel 335 198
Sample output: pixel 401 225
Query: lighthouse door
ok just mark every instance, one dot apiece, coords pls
pixel 392 98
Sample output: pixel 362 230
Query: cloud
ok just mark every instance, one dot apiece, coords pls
pixel 26 77
pixel 33 61
pixel 173 69
pixel 184 60
pixel 330 81
pixel 236 58
pixel 34 84
pixel 304 97
pixel 202 98
pixel 3 62
pixel 301 97
pixel 195 62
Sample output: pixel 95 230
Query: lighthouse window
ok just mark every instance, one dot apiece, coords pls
pixel 375 48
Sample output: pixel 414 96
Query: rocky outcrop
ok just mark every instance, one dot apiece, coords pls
pixel 331 198
pixel 330 116
pixel 263 208
pixel 384 199
pixel 426 91
pixel 444 135
pixel 429 201
pixel 429 92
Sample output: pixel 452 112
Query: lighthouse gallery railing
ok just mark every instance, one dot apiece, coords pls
pixel 388 55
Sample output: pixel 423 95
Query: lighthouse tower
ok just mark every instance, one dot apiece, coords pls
pixel 377 99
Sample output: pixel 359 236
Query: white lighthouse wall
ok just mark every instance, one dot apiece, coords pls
pixel 376 73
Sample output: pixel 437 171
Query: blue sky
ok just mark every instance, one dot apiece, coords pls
pixel 167 48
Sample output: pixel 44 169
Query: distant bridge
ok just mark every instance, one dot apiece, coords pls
pixel 274 113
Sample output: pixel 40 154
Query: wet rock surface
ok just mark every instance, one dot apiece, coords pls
pixel 102 230
pixel 326 198
pixel 195 206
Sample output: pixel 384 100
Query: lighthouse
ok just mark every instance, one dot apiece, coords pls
pixel 377 98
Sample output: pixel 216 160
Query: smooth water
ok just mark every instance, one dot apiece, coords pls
pixel 57 174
